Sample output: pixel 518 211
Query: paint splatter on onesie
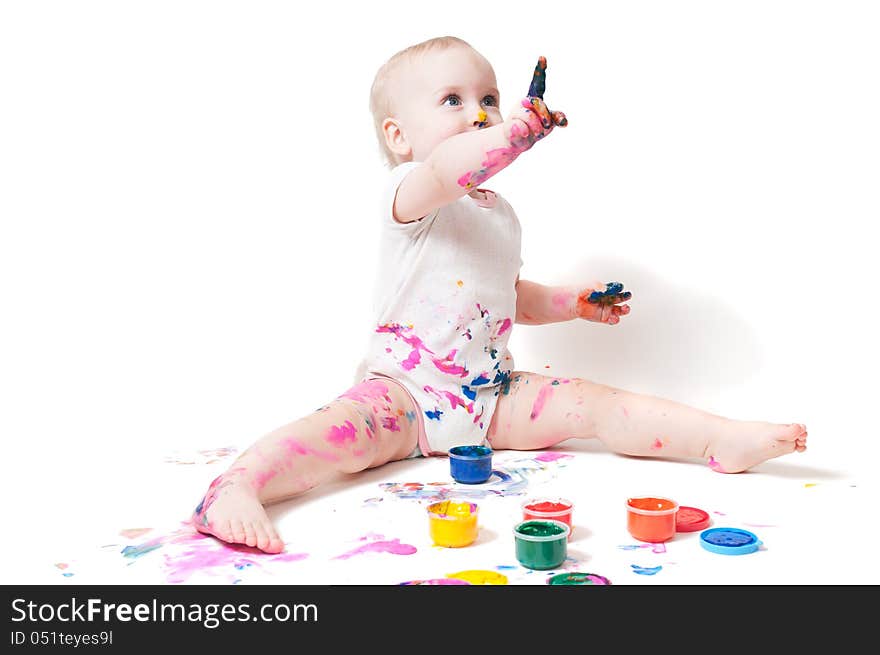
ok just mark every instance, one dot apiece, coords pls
pixel 444 304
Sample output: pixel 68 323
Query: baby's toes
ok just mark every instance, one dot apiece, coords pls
pixel 250 535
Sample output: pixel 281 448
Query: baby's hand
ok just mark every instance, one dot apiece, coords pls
pixel 603 306
pixel 533 120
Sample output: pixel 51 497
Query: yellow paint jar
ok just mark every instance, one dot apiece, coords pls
pixel 478 577
pixel 453 524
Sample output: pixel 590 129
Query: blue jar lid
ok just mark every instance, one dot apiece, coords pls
pixel 729 541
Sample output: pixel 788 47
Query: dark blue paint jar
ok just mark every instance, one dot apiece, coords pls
pixel 470 464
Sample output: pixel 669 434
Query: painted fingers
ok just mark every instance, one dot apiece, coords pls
pixel 603 306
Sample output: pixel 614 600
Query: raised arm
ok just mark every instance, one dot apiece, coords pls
pixel 463 161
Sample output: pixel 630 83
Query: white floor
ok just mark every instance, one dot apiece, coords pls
pixel 816 522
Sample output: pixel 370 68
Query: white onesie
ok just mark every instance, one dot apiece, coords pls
pixel 445 304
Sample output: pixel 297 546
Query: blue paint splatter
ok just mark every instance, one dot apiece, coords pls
pixel 141 549
pixel 433 415
pixel 607 297
pixel 645 570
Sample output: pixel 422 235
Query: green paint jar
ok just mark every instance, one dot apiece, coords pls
pixel 578 578
pixel 541 544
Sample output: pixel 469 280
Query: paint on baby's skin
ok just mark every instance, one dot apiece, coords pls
pixel 496 160
pixel 390 423
pixel 392 546
pixel 295 447
pixel 646 570
pixel 543 396
pixel 715 466
pixel 562 302
pixel 610 295
pixel 262 479
pixel 368 391
pixel 502 379
pixel 220 482
pixel 339 435
pixel 657 445
pixel 539 79
pixel 482 119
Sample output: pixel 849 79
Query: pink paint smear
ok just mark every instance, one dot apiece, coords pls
pixel 551 457
pixel 715 466
pixel 206 555
pixel 543 396
pixel 383 546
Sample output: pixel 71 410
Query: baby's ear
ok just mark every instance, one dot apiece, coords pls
pixel 395 138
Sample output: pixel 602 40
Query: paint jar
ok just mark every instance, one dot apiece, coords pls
pixel 651 519
pixel 557 509
pixel 578 578
pixel 470 464
pixel 541 544
pixel 453 524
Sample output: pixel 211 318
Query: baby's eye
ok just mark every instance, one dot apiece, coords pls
pixel 453 100
pixel 492 101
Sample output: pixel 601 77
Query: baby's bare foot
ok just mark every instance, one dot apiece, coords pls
pixel 748 443
pixel 232 512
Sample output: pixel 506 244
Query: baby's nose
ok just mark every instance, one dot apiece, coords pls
pixel 482 119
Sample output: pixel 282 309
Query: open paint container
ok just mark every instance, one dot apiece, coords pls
pixel 453 524
pixel 541 544
pixel 730 541
pixel 651 519
pixel 578 578
pixel 557 509
pixel 470 464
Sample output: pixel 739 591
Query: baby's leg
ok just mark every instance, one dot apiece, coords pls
pixel 540 411
pixel 369 425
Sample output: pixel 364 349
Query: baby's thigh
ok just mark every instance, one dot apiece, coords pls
pixel 390 415
pixel 537 411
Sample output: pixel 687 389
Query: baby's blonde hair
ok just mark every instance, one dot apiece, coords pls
pixel 381 102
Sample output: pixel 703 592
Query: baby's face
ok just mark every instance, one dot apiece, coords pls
pixel 442 94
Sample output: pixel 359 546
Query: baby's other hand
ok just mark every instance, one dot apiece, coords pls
pixel 601 303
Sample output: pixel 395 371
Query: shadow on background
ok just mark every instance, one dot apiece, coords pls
pixel 676 342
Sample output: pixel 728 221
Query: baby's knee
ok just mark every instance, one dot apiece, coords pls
pixel 350 429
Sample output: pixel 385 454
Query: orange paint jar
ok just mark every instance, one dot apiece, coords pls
pixel 651 519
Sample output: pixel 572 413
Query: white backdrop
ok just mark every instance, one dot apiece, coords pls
pixel 188 194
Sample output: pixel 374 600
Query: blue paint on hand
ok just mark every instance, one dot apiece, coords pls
pixel 611 295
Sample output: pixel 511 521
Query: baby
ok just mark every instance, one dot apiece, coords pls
pixel 437 372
